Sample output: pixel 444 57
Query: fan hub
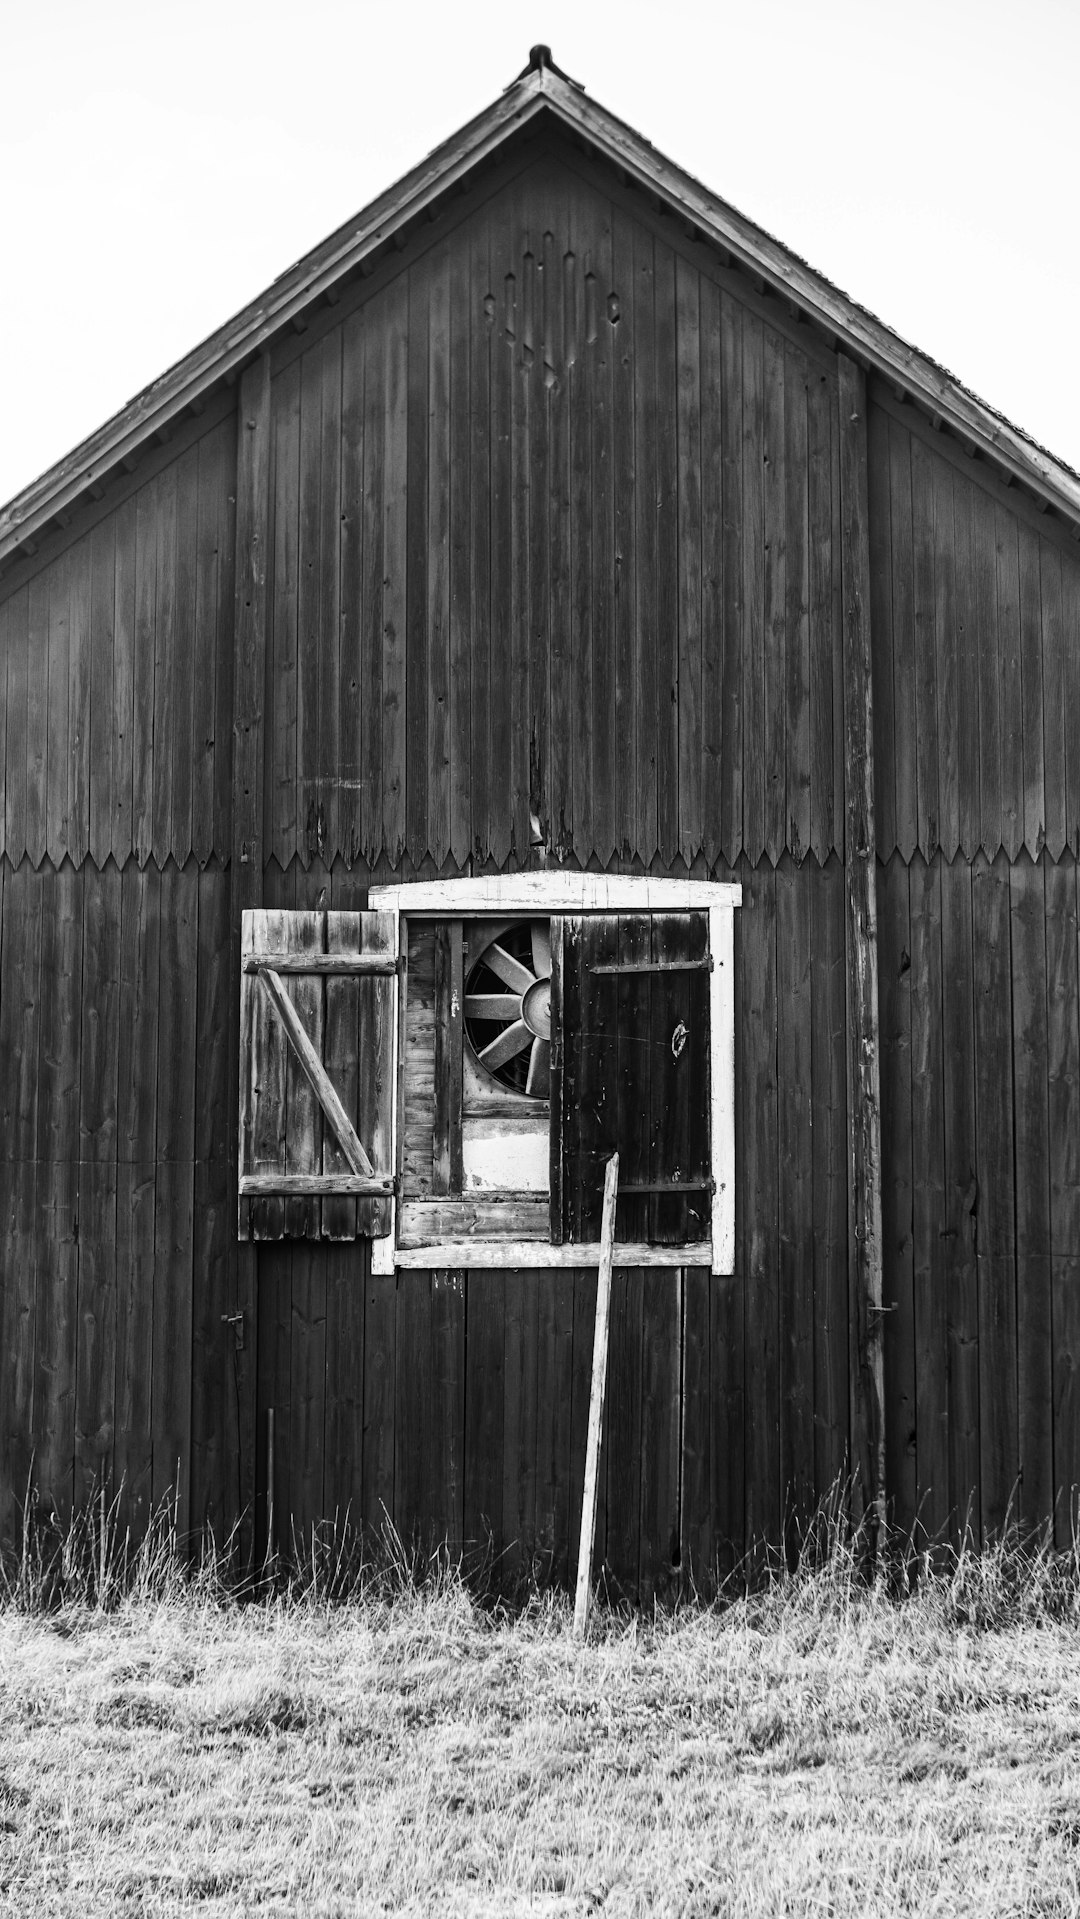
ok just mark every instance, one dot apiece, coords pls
pixel 536 1008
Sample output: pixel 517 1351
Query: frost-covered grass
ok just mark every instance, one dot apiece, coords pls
pixel 821 1746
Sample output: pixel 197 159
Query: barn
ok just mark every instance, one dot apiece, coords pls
pixel 552 675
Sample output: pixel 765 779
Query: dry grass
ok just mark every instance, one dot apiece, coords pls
pixel 818 1748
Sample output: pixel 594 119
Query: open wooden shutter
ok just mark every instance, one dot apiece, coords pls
pixel 631 1012
pixel 318 1006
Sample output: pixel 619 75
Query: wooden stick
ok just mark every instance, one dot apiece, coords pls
pixel 596 1401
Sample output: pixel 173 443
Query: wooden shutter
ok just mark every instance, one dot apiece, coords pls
pixel 631 1048
pixel 318 1005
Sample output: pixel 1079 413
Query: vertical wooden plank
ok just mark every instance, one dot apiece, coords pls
pixel 611 530
pixel 346 1269
pixel 435 838
pixel 483 345
pixel 167 666
pixel 860 870
pixel 927 754
pixel 1011 684
pixel 1070 614
pixel 446 1153
pixel 1054 692
pixel 697 1497
pixel 796 1197
pixel 753 567
pixel 103 804
pixel 279 778
pixel 50 683
pixel 463 316
pixel 967 666
pixel 399 484
pixel 312 637
pixel 143 653
pixel 19 996
pixel 880 509
pixel 713 634
pixel 184 657
pixel 897 1218
pixel 961 1195
pixel 213 1395
pixel 123 680
pixel 79 694
pixel 307 1395
pixel 691 429
pixel 775 602
pixel 419 280
pixel 376 649
pixel 583 324
pixel 341 1058
pixel 537 513
pixel 943 616
pixel 15 619
pixel 101 1013
pixel 225 664
pixel 561 284
pixel 985 635
pixel 482 1496
pixel 996 1255
pixel 58 1039
pixel 265 1068
pixel 210 506
pixel 95 1362
pixel 504 293
pixel 928 1172
pixel 173 1223
pixel 633 1084
pixel 358 715
pixel 668 557
pixel 661 1292
pixel 249 651
pixel 1031 681
pixel 797 658
pixel 381 1005
pixel 519 1463
pixel 617 666
pixel 756 1141
pixel 1063 1080
pixel 905 703
pixel 521 582
pixel 1035 1497
pixel 331 768
pixel 135 1255
pixel 446 1415
pixel 823 822
pixel 380 1408
pixel 305 932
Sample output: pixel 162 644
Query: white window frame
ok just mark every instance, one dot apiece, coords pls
pixel 549 894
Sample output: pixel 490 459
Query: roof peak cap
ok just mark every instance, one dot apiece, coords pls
pixel 539 59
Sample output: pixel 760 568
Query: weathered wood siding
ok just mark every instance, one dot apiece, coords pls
pixel 554 533
pixel 554 522
pixel 976 620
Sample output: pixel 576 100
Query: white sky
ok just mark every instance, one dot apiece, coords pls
pixel 162 162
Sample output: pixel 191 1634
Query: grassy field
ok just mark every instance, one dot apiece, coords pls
pixel 817 1749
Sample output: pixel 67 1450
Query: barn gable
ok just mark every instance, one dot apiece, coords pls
pixel 548 519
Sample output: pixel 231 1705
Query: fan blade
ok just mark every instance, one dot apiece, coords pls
pixel 507 968
pixel 539 1080
pixel 500 1006
pixel 506 1046
pixel 541 948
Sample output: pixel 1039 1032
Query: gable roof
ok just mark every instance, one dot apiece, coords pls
pixel 542 89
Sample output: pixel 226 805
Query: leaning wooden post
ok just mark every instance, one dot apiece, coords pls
pixel 860 869
pixel 596 1401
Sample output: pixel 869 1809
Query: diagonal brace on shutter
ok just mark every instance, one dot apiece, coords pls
pixel 315 1072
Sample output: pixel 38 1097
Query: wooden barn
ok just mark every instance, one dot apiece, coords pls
pixel 551 675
